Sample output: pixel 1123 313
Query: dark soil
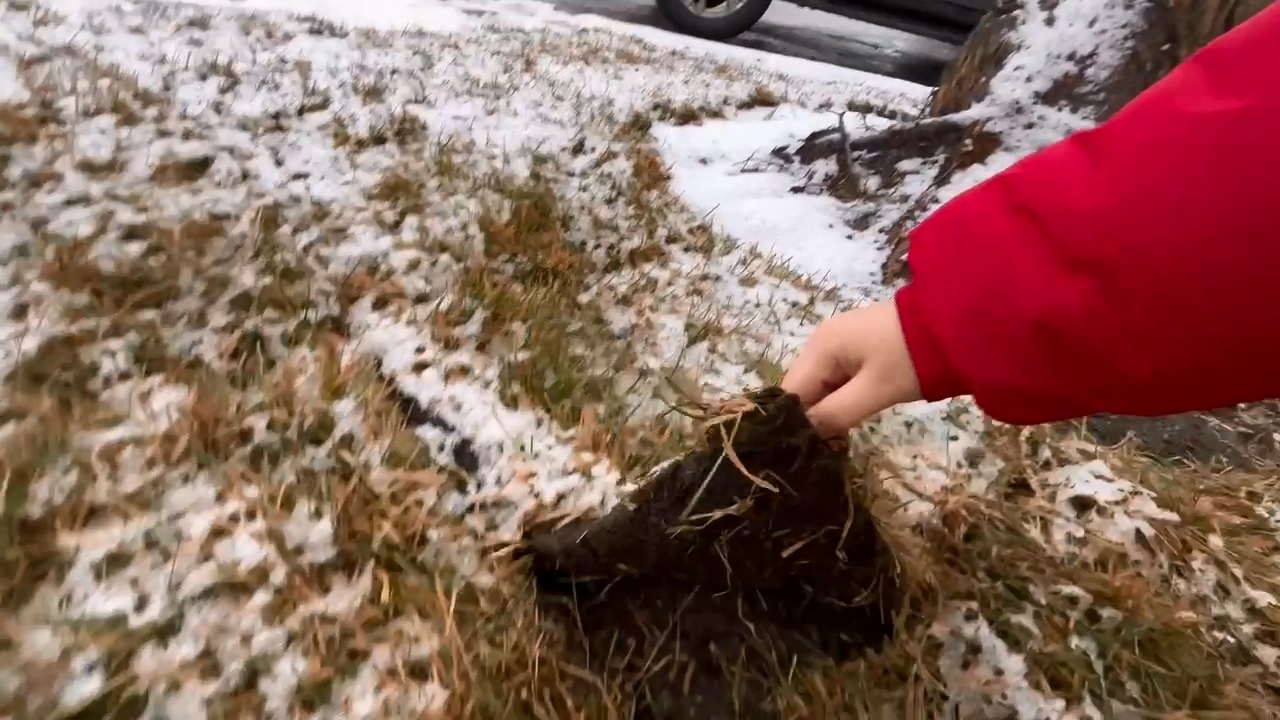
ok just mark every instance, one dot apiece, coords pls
pixel 695 600
pixel 1242 437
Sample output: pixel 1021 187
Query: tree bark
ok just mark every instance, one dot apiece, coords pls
pixel 1169 31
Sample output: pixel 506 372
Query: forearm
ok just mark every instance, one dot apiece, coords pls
pixel 1133 268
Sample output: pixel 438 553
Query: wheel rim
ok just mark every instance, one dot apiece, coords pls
pixel 714 8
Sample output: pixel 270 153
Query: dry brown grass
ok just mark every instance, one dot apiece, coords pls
pixel 761 96
pixel 532 278
pixel 1156 648
pixel 259 428
pixel 279 365
pixel 1104 624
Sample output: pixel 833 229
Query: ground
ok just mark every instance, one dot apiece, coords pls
pixel 304 317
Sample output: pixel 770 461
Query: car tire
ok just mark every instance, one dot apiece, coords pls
pixel 713 28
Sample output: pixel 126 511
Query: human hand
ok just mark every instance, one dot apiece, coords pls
pixel 854 365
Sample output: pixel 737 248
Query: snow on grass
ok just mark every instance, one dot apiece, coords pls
pixel 288 277
pixel 723 168
pixel 302 320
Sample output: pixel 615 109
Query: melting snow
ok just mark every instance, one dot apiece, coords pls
pixel 452 72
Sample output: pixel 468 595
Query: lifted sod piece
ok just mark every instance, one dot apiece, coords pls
pixel 726 567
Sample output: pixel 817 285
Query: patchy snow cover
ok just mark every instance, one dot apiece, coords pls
pixel 286 135
pixel 252 130
pixel 487 16
pixel 724 168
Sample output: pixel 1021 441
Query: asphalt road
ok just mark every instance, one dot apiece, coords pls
pixel 790 30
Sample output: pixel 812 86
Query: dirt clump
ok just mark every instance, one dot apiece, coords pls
pixel 725 569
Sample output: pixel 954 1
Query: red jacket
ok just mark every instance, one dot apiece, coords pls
pixel 1132 268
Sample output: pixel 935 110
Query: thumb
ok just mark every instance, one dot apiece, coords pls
pixel 855 401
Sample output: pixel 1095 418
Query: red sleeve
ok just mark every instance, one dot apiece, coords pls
pixel 1133 268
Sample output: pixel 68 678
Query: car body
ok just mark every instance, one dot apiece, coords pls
pixel 946 20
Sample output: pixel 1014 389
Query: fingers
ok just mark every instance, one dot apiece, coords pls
pixel 860 398
pixel 822 365
pixel 852 367
pixel 808 376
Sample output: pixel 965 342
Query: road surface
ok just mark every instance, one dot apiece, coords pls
pixel 792 30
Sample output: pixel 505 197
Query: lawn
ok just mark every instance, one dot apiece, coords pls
pixel 301 322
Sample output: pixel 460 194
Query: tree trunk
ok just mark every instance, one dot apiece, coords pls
pixel 1166 32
